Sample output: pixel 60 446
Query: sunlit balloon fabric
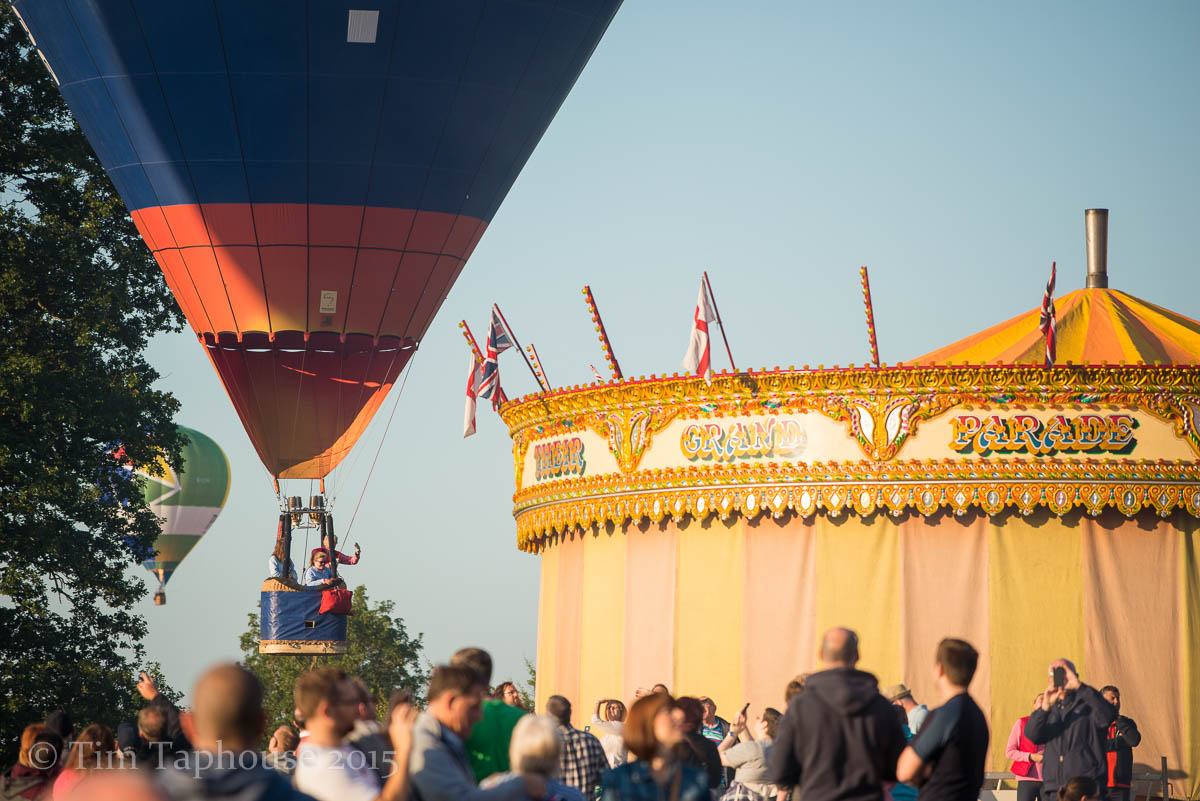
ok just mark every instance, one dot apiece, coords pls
pixel 1094 326
pixel 312 176
pixel 188 503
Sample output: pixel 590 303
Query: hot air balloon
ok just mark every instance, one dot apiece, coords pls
pixel 187 503
pixel 312 177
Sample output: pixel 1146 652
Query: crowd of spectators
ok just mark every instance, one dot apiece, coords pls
pixel 839 739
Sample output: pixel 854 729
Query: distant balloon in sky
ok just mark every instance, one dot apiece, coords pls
pixel 313 176
pixel 188 503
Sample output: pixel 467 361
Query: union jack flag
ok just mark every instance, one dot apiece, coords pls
pixel 498 341
pixel 1047 323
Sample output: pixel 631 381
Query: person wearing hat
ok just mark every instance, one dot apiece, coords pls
pixel 899 695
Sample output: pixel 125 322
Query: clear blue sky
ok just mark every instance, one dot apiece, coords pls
pixel 952 147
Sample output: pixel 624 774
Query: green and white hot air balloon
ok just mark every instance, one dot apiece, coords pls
pixel 187 503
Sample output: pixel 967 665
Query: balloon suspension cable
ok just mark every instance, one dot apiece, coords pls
pixel 866 288
pixel 712 297
pixel 539 371
pixel 395 405
pixel 611 357
pixel 344 471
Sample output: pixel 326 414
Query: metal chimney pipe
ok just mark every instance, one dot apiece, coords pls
pixel 1095 221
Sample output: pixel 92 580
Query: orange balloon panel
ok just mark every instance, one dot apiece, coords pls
pixel 305 403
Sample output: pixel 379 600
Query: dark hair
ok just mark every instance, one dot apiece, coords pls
pixel 693 712
pixel 500 688
pixel 958 659
pixel 1110 688
pixel 794 688
pixel 152 723
pixel 458 679
pixel 621 710
pixel 1079 788
pixel 46 750
pixel 397 698
pixel 477 660
pixel 639 726
pixel 59 722
pixel 559 708
pixel 772 715
pixel 316 686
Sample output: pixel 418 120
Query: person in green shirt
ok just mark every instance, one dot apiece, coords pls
pixel 487 747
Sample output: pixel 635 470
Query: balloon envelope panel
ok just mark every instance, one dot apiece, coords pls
pixel 313 168
pixel 189 503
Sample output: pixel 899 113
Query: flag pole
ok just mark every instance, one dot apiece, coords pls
pixel 866 285
pixel 613 366
pixel 513 337
pixel 537 365
pixel 467 335
pixel 717 311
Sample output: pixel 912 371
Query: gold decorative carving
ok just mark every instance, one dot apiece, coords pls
pixel 629 432
pixel 882 409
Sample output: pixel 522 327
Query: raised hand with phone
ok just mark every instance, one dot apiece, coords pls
pixel 1070 723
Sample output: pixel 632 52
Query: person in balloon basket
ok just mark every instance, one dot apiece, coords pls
pixel 319 574
pixel 329 545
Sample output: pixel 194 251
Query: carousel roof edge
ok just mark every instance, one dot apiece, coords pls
pixel 539 525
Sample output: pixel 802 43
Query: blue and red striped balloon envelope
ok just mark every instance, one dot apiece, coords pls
pixel 312 175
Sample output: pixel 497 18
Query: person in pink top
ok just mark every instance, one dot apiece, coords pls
pixel 329 545
pixel 1026 759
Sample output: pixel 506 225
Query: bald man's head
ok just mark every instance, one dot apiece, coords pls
pixel 228 708
pixel 839 648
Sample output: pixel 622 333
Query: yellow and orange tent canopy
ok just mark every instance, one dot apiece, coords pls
pixel 1093 325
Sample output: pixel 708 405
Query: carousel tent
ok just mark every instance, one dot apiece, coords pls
pixel 704 535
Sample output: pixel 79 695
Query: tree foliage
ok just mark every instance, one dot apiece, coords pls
pixel 379 651
pixel 80 296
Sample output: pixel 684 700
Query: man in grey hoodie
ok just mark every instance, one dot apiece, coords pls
pixel 840 738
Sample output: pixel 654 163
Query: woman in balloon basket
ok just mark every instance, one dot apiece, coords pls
pixel 320 573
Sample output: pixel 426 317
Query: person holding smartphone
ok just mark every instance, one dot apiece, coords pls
pixel 1071 722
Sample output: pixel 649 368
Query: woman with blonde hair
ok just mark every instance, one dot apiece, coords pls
pixel 94 749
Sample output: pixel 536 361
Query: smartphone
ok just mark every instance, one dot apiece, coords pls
pixel 746 707
pixel 1060 677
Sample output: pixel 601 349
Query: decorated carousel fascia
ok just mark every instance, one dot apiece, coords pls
pixel 857 439
pixel 703 535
